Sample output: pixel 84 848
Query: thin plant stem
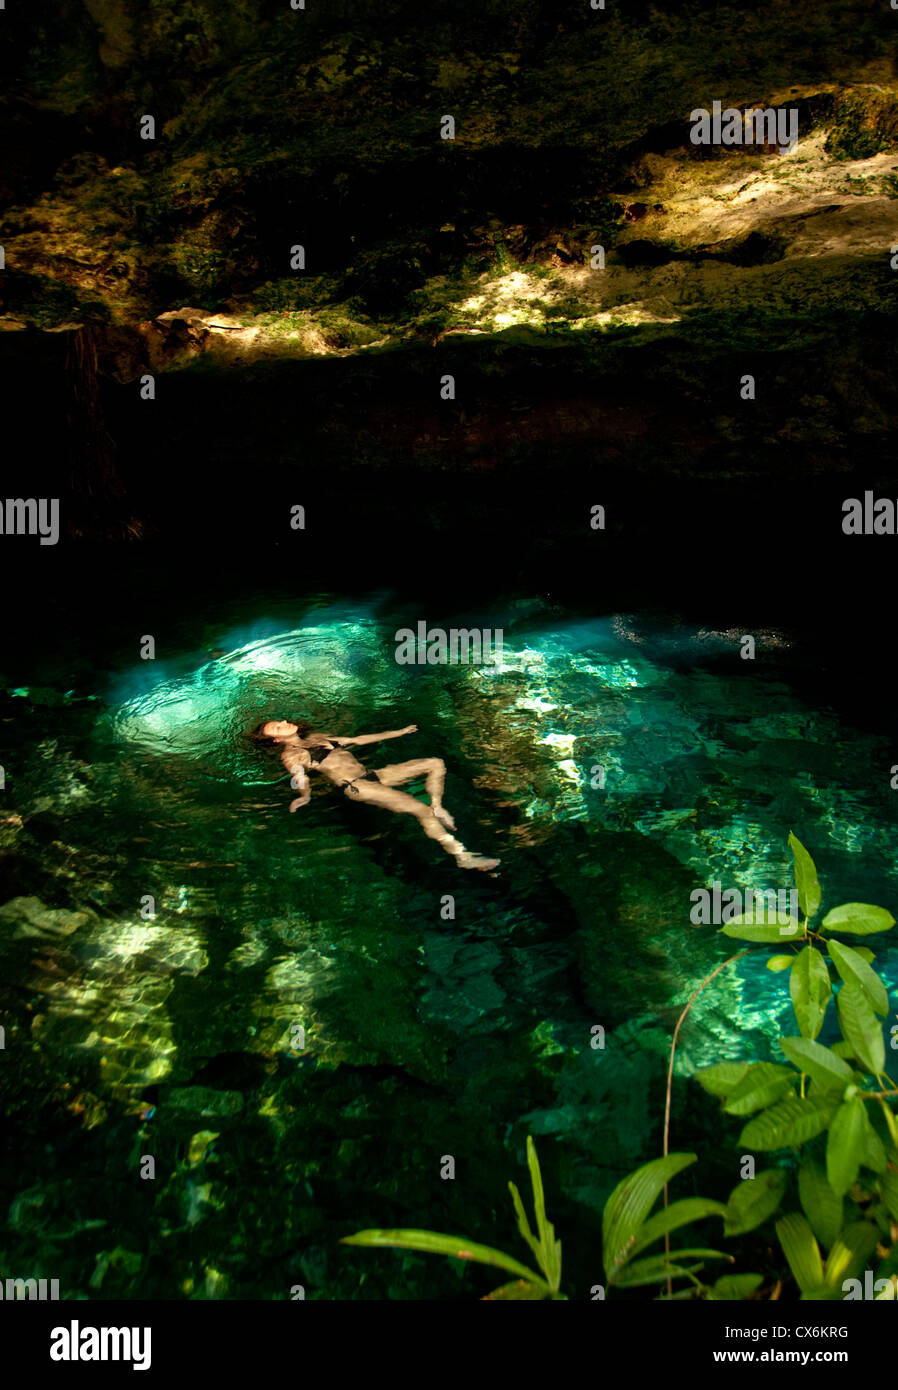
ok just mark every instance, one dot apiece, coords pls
pixel 670 1070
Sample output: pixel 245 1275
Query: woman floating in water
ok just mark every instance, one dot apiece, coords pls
pixel 302 750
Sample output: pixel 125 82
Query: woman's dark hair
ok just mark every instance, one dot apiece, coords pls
pixel 266 741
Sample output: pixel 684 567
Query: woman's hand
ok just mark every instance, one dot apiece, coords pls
pixel 300 801
pixel 409 729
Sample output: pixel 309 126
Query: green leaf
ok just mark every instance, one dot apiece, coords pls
pixel 878 1212
pixel 657 1268
pixel 791 1121
pixel 763 1083
pixel 805 877
pixel 753 1200
pixel 432 1243
pixel 676 1215
pixel 810 988
pixel 820 1204
pixel 517 1289
pixel 851 1252
pixel 801 1250
pixel 865 954
pixel 861 1028
pixel 722 1078
pixel 777 963
pixel 852 967
pixel 764 926
pixel 874 1153
pixel 629 1205
pixel 817 1062
pixel 523 1223
pixel 550 1259
pixel 891 1123
pixel 734 1286
pixel 888 1186
pixel 844 1145
pixel 857 919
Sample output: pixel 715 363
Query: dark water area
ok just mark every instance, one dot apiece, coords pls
pixel 424 1035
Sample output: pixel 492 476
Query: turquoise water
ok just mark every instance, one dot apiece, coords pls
pixel 613 766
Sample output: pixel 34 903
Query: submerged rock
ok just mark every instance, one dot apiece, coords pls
pixel 31 917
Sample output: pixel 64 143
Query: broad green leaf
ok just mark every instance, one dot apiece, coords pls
pixel 801 1250
pixel 676 1215
pixel 857 919
pixel 722 1078
pixel 818 1062
pixel 852 967
pixel 888 1186
pixel 844 1145
pixel 763 1083
pixel 861 1028
pixel 805 877
pixel 764 926
pixel 851 1252
pixel 432 1243
pixel 517 1289
pixel 820 1204
pixel 865 953
pixel 630 1203
pixel 810 988
pixel 791 1121
pixel 753 1200
pixel 734 1286
pixel 656 1268
pixel 777 963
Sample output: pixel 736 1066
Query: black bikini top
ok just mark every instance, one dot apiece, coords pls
pixel 319 752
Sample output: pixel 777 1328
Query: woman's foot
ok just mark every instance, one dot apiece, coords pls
pixel 443 817
pixel 467 860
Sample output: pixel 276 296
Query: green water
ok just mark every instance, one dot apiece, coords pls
pixel 175 1036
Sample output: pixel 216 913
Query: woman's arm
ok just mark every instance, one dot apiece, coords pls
pixel 301 782
pixel 358 739
pixel 296 761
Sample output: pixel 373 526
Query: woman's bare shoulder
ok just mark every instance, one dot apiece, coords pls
pixel 295 757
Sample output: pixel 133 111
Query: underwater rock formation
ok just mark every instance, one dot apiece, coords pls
pixel 30 917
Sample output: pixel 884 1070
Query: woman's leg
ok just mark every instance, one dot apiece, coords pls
pixel 392 800
pixel 434 772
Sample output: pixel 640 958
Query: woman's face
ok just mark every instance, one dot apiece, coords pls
pixel 279 728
